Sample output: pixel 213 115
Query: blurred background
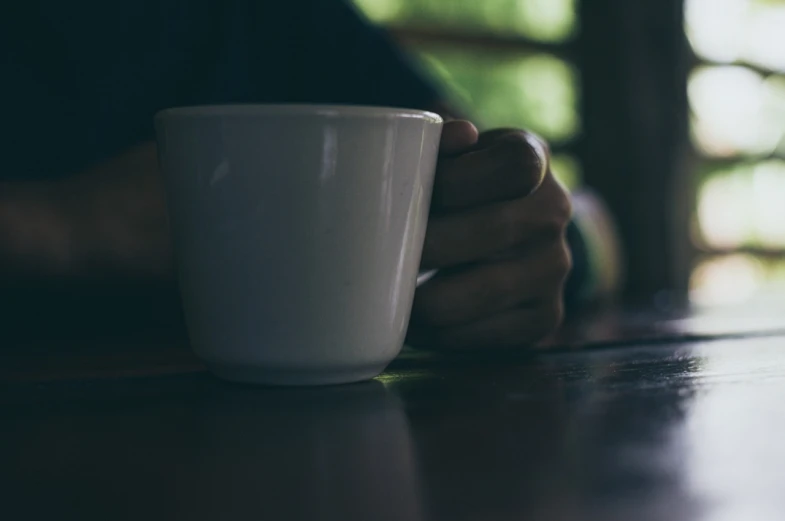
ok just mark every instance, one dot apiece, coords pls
pixel 673 110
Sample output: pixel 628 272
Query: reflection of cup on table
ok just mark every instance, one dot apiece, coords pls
pixel 298 232
pixel 340 453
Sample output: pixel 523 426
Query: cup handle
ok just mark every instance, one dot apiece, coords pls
pixel 425 276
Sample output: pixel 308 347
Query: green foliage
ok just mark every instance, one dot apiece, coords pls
pixel 542 20
pixel 537 91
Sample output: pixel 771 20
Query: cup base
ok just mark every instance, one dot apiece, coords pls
pixel 294 377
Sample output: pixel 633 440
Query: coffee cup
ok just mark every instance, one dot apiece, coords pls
pixel 297 232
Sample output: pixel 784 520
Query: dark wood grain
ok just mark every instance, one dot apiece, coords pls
pixel 625 414
pixel 670 432
pixel 78 355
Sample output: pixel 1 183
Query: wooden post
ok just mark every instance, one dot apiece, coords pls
pixel 633 58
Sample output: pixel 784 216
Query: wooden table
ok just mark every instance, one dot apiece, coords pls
pixel 685 423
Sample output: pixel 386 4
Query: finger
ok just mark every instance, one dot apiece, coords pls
pixel 485 290
pixel 457 136
pixel 514 328
pixel 458 238
pixel 489 136
pixel 511 165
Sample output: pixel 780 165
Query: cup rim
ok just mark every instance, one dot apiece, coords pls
pixel 329 111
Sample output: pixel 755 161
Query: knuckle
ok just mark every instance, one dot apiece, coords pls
pixel 558 199
pixel 562 261
pixel 525 159
pixel 562 206
pixel 551 316
pixel 558 267
pixel 553 228
pixel 554 223
pixel 507 224
pixel 500 291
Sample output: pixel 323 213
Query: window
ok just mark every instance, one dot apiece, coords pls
pixel 624 113
pixel 736 92
pixel 504 62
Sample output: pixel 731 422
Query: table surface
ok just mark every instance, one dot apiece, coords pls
pixel 686 423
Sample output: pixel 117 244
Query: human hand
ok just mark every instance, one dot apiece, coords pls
pixel 497 235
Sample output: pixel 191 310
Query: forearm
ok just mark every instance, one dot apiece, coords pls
pixel 598 267
pixel 107 222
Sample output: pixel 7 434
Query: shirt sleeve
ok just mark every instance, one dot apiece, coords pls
pixel 86 79
pixel 345 59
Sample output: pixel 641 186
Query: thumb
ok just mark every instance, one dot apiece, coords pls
pixel 457 136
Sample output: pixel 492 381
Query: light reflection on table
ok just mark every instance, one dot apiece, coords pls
pixel 685 431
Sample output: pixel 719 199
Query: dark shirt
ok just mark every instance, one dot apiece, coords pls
pixel 84 78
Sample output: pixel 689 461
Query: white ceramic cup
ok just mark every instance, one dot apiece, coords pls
pixel 298 231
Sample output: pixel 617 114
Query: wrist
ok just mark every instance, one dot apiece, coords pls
pixel 598 265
